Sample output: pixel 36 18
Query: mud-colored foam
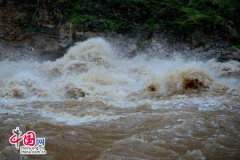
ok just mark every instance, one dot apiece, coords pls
pixel 93 67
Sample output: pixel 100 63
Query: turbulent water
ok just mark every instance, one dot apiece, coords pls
pixel 92 104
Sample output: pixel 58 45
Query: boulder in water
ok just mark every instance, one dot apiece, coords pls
pixel 75 93
pixel 192 83
pixel 18 93
pixel 151 87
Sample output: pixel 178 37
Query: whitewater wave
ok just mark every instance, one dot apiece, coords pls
pixel 93 69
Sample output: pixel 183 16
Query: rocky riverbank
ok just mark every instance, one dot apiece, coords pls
pixel 37 46
pixel 50 34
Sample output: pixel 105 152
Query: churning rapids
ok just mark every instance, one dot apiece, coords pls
pixel 92 104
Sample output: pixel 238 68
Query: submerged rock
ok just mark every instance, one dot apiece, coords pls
pixel 18 93
pixel 186 82
pixel 75 93
pixel 151 87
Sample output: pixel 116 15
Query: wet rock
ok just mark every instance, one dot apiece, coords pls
pixel 234 74
pixel 230 53
pixel 209 54
pixel 18 93
pixel 208 50
pixel 44 42
pixel 80 36
pixel 50 55
pixel 16 51
pixel 65 42
pixel 75 93
pixel 49 29
pixel 151 87
pixel 192 84
pixel 195 82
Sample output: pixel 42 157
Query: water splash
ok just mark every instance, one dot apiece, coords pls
pixel 115 108
pixel 93 67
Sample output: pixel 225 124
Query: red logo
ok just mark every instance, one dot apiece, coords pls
pixel 29 138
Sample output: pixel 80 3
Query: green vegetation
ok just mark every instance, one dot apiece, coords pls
pixel 237 45
pixel 219 18
pixel 182 17
pixel 25 25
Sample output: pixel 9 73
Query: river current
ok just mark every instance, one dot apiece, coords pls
pixel 93 104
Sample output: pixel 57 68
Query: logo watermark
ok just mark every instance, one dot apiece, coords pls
pixel 31 144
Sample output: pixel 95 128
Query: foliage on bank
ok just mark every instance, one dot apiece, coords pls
pixel 179 17
pixel 212 17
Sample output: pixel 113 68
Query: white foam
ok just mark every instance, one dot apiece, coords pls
pixel 93 66
pixel 72 120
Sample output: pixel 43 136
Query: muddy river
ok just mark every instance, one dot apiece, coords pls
pixel 92 104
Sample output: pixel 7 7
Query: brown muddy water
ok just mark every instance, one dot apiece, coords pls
pixel 91 104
